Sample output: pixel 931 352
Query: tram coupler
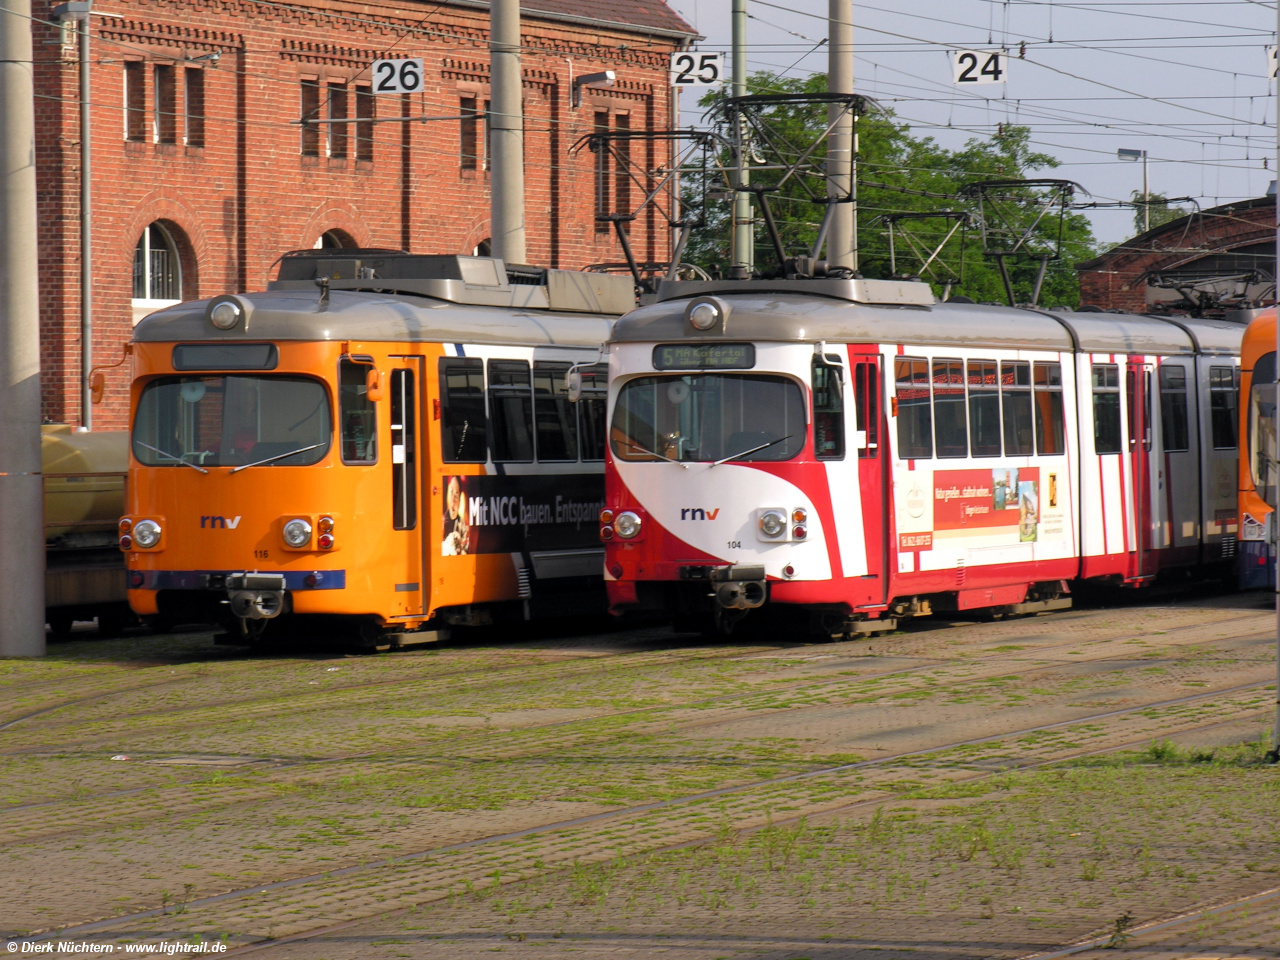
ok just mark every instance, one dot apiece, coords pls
pixel 740 586
pixel 257 596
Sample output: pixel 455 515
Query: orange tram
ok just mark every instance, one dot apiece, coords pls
pixel 1258 453
pixel 381 438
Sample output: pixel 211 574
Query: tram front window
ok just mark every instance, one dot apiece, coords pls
pixel 709 417
pixel 232 421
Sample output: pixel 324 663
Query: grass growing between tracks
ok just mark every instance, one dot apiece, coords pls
pixel 1035 857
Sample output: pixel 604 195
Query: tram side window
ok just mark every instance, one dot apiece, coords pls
pixel 1222 407
pixel 1015 391
pixel 1106 408
pixel 948 409
pixel 828 411
pixel 1173 407
pixel 463 432
pixel 592 427
pixel 357 414
pixel 510 410
pixel 915 427
pixel 984 408
pixel 404 450
pixel 554 416
pixel 1050 421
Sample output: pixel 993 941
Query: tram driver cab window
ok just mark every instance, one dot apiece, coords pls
pixel 357 414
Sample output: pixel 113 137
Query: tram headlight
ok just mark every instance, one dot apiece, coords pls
pixel 225 315
pixel 146 533
pixel 627 525
pixel 773 523
pixel 704 315
pixel 297 533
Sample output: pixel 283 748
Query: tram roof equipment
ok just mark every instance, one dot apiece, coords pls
pixel 905 311
pixel 388 296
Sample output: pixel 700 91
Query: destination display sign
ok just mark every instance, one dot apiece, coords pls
pixel 704 356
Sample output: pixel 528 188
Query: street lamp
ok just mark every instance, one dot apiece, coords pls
pixel 1124 154
pixel 605 78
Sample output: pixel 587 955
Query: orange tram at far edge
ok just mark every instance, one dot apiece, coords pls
pixel 380 438
pixel 1258 453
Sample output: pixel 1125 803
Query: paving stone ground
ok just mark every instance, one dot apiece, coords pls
pixel 263 799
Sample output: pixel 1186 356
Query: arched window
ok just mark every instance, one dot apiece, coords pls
pixel 333 240
pixel 157 271
pixel 482 249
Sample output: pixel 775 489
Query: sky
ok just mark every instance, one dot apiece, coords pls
pixel 1185 81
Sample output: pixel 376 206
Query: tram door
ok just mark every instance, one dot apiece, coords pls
pixel 409 570
pixel 873 466
pixel 1139 383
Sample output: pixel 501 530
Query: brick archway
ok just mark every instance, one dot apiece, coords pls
pixel 1116 280
pixel 337 217
pixel 183 225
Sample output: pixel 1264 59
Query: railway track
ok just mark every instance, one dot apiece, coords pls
pixel 577 733
pixel 403 867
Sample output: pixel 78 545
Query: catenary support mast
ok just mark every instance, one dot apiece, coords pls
pixel 743 232
pixel 506 134
pixel 21 485
pixel 842 240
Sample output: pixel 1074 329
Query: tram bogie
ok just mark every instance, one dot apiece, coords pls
pixel 378 438
pixel 858 450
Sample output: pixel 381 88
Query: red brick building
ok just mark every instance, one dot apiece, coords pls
pixel 1207 264
pixel 203 174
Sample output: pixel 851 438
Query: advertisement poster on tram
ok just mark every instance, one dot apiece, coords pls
pixel 508 514
pixel 986 507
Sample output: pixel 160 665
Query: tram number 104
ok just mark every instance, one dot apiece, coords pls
pixel 979 66
pixel 397 76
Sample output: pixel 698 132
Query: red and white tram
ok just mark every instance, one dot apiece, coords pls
pixel 853 449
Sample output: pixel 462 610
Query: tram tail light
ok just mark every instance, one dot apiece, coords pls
pixel 800 531
pixel 606 533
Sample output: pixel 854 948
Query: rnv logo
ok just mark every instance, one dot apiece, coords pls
pixel 697 513
pixel 219 523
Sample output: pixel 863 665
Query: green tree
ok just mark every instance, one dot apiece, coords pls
pixel 1158 211
pixel 897 173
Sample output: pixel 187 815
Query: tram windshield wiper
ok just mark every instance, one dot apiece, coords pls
pixel 755 449
pixel 653 453
pixel 278 456
pixel 166 453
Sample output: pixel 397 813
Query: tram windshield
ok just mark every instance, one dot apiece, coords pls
pixel 709 417
pixel 216 421
pixel 1263 452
